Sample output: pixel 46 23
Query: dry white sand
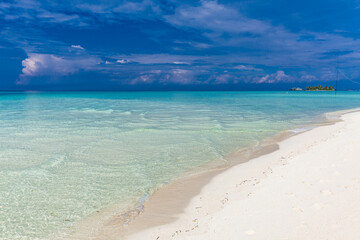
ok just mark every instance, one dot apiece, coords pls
pixel 309 189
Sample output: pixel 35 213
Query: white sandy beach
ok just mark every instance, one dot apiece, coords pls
pixel 308 189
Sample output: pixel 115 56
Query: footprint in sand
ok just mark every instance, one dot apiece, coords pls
pixel 356 179
pixel 297 209
pixel 250 232
pixel 326 192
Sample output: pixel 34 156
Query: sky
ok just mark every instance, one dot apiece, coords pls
pixel 178 44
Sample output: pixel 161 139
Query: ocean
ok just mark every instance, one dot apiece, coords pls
pixel 67 155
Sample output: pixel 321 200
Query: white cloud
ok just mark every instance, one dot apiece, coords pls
pixel 161 58
pixel 180 76
pixel 223 79
pixel 171 76
pixel 122 61
pixel 34 10
pixel 180 63
pixel 194 44
pixel 216 17
pixel 248 68
pixel 36 65
pixel 279 76
pixel 274 44
pixel 308 78
pixel 135 7
pixel 92 8
pixel 77 46
pixel 57 17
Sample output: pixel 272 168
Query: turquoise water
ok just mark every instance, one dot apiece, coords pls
pixel 64 156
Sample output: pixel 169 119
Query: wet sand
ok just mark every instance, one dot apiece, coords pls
pixel 308 189
pixel 165 204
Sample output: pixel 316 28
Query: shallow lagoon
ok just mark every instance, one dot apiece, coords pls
pixel 64 156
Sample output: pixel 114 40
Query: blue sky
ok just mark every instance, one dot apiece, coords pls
pixel 185 45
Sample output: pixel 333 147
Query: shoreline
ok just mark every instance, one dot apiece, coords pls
pixel 105 225
pixel 176 196
pixel 257 171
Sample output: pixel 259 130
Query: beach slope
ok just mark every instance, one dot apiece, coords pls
pixel 308 189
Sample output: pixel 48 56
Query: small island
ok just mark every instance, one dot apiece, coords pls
pixel 320 88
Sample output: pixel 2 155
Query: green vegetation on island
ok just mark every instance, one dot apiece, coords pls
pixel 320 88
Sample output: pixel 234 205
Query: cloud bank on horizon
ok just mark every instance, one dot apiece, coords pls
pixel 88 44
